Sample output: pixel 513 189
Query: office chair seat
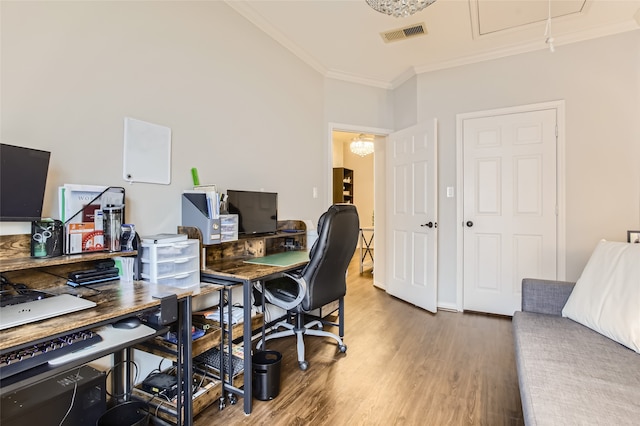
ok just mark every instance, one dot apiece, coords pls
pixel 321 281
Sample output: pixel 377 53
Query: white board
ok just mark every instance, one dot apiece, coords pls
pixel 147 152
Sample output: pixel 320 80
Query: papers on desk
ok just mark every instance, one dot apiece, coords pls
pixel 237 314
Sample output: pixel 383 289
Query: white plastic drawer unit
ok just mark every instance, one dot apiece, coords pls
pixel 228 227
pixel 179 280
pixel 175 264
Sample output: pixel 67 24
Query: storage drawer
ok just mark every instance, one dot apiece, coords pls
pixel 228 227
pixel 170 267
pixel 159 252
pixel 179 280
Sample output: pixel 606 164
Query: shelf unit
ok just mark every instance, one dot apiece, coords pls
pixel 342 185
pixel 16 255
pixel 210 389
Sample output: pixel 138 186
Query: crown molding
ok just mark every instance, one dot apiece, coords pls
pixel 406 75
pixel 353 78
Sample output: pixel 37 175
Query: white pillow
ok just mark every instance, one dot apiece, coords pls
pixel 606 297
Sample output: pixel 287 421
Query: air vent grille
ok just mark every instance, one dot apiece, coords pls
pixel 404 33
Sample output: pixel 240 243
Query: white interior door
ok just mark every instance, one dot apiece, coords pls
pixel 510 207
pixel 412 227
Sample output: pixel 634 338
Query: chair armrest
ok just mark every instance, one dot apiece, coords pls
pixel 273 298
pixel 545 296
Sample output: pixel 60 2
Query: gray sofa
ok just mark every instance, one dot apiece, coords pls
pixel 568 373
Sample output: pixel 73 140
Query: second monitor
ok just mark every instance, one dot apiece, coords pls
pixel 257 211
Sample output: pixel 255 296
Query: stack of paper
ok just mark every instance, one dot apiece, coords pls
pixel 212 199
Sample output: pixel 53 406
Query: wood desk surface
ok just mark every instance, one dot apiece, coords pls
pixel 238 269
pixel 116 299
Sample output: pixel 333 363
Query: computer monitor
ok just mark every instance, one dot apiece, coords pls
pixel 257 211
pixel 23 177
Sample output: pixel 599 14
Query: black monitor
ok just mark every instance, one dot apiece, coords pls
pixel 257 211
pixel 23 177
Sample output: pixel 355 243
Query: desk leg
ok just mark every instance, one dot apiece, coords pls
pixel 117 380
pixel 246 339
pixel 185 365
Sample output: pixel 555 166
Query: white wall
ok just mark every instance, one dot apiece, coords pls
pixel 355 104
pixel 242 109
pixel 599 81
pixel 405 106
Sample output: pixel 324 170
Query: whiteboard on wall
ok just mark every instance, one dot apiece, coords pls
pixel 147 152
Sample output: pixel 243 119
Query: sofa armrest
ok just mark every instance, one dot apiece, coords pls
pixel 545 296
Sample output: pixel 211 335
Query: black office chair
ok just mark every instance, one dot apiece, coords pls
pixel 321 281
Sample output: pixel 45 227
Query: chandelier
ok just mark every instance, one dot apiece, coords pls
pixel 399 8
pixel 362 145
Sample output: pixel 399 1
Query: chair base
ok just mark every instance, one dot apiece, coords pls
pixel 299 331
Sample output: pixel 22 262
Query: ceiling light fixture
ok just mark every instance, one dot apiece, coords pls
pixel 362 145
pixel 399 8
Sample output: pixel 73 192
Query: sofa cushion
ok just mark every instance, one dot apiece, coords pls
pixel 606 297
pixel 571 375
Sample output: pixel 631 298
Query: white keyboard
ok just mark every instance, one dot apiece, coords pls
pixel 111 338
pixel 49 307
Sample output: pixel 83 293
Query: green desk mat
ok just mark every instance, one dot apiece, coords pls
pixel 286 258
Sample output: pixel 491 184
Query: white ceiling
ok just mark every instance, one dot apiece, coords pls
pixel 341 38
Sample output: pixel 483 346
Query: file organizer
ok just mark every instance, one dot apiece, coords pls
pixel 195 212
pixel 83 230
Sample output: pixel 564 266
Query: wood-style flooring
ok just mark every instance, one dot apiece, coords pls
pixel 403 366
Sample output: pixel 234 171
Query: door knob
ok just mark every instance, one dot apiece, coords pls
pixel 429 225
pixel 469 223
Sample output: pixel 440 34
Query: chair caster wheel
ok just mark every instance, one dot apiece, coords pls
pixel 303 365
pixel 233 400
pixel 342 348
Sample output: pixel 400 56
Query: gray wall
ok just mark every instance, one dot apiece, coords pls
pixel 599 80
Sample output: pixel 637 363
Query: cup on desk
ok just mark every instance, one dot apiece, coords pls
pixel 112 227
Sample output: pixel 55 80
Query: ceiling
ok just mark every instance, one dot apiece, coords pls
pixel 342 39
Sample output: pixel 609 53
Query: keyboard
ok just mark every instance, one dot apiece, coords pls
pixel 109 338
pixel 36 310
pixel 23 359
pixel 211 359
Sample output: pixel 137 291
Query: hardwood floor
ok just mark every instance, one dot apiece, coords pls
pixel 403 366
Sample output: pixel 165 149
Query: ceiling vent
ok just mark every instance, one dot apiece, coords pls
pixel 404 33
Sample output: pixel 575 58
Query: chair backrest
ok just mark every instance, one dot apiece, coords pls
pixel 325 274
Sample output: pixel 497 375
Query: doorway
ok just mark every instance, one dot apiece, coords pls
pixel 367 188
pixel 353 183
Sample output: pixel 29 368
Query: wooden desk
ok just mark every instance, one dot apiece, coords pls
pixel 116 300
pixel 230 272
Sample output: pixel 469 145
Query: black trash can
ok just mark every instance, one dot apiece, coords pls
pixel 130 413
pixel 266 374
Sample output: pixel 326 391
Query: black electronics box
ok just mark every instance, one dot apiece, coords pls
pixel 81 391
pixel 161 384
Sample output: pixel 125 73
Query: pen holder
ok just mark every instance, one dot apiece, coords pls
pixel 46 238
